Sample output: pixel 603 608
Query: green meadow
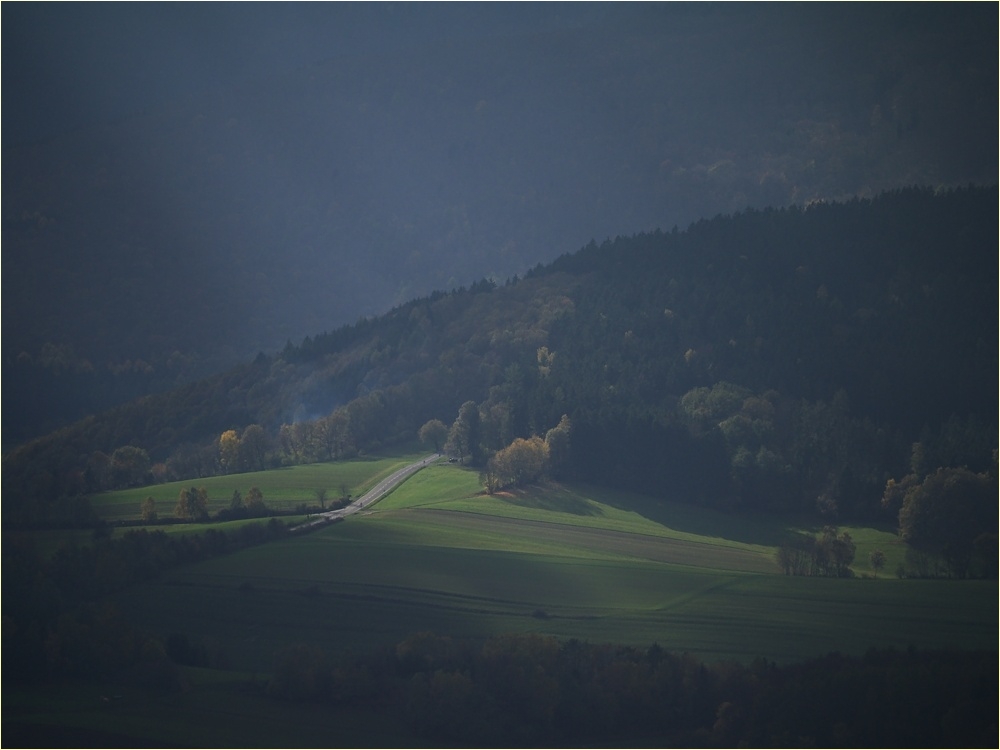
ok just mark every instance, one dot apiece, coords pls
pixel 283 489
pixel 568 561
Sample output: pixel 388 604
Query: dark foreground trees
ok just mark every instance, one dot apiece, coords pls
pixel 531 690
pixel 58 622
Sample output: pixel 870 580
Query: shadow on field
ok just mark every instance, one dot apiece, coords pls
pixel 693 519
pixel 552 499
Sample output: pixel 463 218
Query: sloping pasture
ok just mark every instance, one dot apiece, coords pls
pixel 436 555
pixel 283 488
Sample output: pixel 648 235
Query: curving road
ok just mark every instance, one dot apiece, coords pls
pixel 373 495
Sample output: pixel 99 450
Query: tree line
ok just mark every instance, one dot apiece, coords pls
pixel 58 622
pixel 530 690
pixel 478 433
pixel 829 555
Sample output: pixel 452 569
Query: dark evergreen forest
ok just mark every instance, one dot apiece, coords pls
pixel 175 240
pixel 782 360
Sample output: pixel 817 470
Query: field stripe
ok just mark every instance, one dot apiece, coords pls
pixel 626 544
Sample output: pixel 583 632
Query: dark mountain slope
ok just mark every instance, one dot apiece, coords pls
pixel 178 240
pixel 766 359
pixel 888 301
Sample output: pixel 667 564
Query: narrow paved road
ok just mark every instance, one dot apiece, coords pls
pixel 373 495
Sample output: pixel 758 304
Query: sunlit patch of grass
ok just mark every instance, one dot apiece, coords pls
pixel 573 561
pixel 438 485
pixel 866 539
pixel 456 489
pixel 283 489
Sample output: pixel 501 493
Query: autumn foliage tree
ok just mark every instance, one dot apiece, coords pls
pixel 192 504
pixel 229 451
pixel 148 509
pixel 946 513
pixel 520 463
pixel 254 502
pixel 248 451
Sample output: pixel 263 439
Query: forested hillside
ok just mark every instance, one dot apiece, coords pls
pixel 780 360
pixel 171 242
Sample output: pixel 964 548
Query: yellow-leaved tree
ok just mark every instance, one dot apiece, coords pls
pixel 229 451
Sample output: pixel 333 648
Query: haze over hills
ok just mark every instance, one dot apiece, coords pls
pixel 248 202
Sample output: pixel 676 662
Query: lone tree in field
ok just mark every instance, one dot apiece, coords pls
pixel 254 502
pixel 434 433
pixel 877 559
pixel 320 494
pixel 192 504
pixel 149 510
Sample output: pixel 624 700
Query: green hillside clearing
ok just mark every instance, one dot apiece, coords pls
pixel 573 562
pixel 283 488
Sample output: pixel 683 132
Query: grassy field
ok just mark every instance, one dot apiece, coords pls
pixel 574 562
pixel 283 489
pixel 437 555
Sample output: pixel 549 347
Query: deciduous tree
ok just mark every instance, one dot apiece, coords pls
pixel 149 510
pixel 192 504
pixel 877 560
pixel 254 447
pixel 229 451
pixel 236 502
pixel 463 438
pixel 433 433
pixel 255 501
pixel 520 463
pixel 129 466
pixel 557 442
pixel 835 553
pixel 945 514
pixel 320 494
